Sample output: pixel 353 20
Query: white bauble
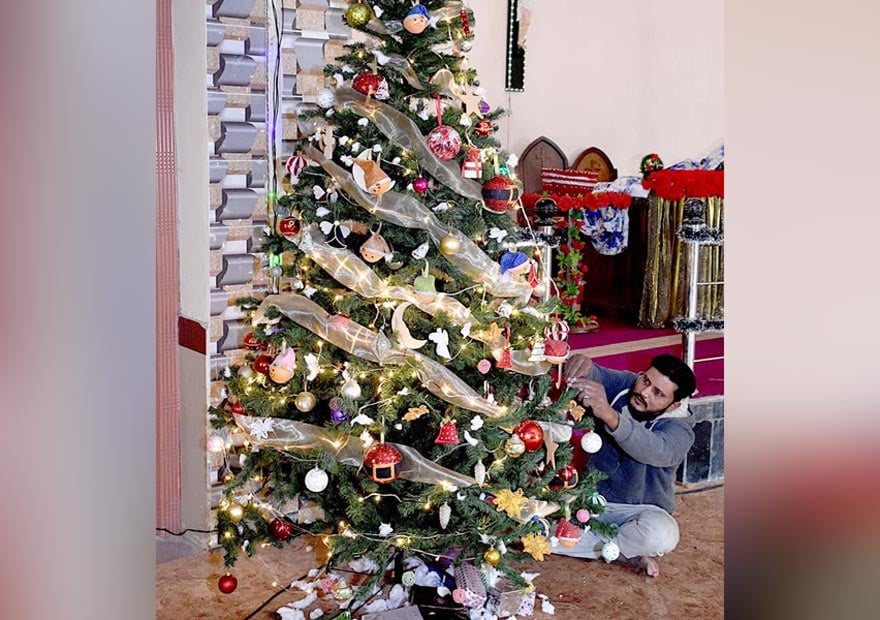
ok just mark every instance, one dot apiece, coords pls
pixel 351 389
pixel 610 551
pixel 316 480
pixel 246 372
pixel 326 98
pixel 591 442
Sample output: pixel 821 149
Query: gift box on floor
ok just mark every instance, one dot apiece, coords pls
pixel 469 588
pixel 505 600
pixel 435 607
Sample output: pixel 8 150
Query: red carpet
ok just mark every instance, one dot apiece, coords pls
pixel 624 347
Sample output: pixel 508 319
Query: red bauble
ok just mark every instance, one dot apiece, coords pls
pixel 382 461
pixel 484 128
pixel 531 433
pixel 371 84
pixel 281 529
pixel 262 363
pixel 420 185
pixel 288 226
pixel 444 142
pixel 499 194
pixel 237 407
pixel 227 583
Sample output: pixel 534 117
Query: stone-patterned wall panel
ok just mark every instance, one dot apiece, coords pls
pixel 237 85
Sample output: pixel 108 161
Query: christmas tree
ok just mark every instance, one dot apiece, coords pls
pixel 397 397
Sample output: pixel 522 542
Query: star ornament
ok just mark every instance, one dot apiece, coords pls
pixel 511 502
pixel 536 546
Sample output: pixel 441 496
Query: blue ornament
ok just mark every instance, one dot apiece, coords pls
pixel 511 260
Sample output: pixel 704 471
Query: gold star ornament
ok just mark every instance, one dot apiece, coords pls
pixel 536 546
pixel 511 502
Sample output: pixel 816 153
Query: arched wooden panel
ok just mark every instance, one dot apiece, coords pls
pixel 595 160
pixel 540 153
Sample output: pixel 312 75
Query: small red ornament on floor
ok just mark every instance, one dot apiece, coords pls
pixel 281 529
pixel 227 584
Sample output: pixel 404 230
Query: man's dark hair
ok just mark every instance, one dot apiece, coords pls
pixel 678 372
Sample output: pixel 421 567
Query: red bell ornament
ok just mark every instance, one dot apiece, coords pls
pixel 531 434
pixel 448 434
pixel 382 462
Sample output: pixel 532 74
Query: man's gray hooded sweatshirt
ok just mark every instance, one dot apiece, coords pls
pixel 640 458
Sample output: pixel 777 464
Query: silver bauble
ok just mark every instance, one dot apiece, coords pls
pixel 351 389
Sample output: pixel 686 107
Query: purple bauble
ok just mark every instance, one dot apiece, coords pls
pixel 484 106
pixel 337 416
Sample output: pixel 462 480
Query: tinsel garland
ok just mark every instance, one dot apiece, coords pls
pixel 686 325
pixel 702 236
pixel 591 201
pixel 678 184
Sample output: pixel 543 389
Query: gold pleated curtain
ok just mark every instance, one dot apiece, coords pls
pixel 664 295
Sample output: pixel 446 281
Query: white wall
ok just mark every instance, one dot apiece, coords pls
pixel 630 77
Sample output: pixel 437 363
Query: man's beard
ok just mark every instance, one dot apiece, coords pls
pixel 641 416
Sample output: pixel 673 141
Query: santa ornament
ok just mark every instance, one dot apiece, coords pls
pixel 382 462
pixel 500 194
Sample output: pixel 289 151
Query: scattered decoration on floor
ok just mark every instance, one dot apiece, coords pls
pixel 610 551
pixel 227 584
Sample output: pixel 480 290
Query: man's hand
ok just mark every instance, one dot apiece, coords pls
pixel 592 394
pixel 577 366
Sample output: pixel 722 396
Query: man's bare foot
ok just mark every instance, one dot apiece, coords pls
pixel 643 563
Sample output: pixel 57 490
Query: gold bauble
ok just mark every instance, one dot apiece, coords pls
pixel 358 15
pixel 514 447
pixel 305 401
pixel 492 556
pixel 449 244
pixel 235 512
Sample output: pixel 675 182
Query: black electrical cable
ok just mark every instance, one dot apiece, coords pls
pixel 281 590
pixel 189 529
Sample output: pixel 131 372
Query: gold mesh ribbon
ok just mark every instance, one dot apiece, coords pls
pixel 375 347
pixel 402 131
pixel 404 210
pixel 664 294
pixel 347 269
pixel 292 436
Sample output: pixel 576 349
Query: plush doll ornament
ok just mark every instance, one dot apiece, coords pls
pixel 515 263
pixel 370 177
pixel 417 19
pixel 375 248
pixel 282 368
